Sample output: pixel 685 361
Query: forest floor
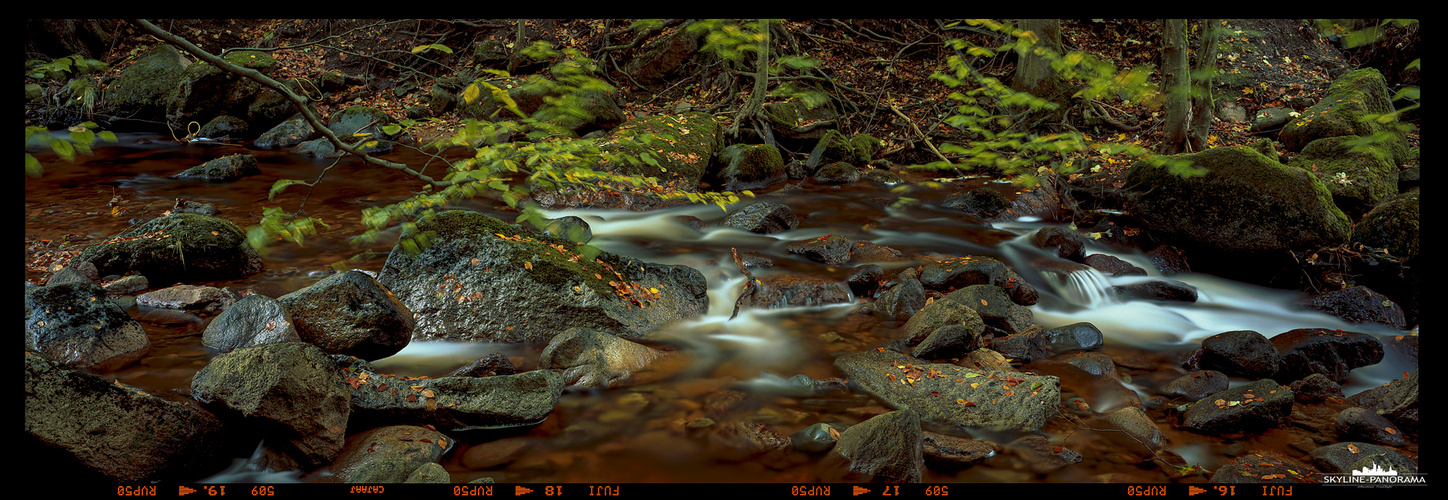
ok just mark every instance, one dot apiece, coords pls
pixel 875 63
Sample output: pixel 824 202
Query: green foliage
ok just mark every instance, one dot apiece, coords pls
pixel 78 142
pixel 987 111
pixel 277 224
pixel 736 41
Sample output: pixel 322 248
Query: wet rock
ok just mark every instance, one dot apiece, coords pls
pixel 480 279
pixel 749 166
pixel 997 401
pixel 949 341
pixel 1333 353
pixel 1112 266
pixel 486 366
pixel 1001 315
pixel 836 173
pixel 1359 305
pixel 127 285
pixel 180 247
pixel 292 392
pixel 594 358
pixel 1156 290
pixel 1199 384
pixel 755 260
pixel 983 203
pixel 1136 423
pixel 869 251
pixel 1266 466
pixel 95 420
pixel 1039 344
pixel 1393 225
pixel 1245 408
pixel 358 119
pixel 746 440
pixel 831 249
pixel 350 313
pixel 1346 457
pixel 952 452
pixel 1397 401
pixel 763 218
pixel 901 301
pixel 816 438
pixel 1315 388
pixel 571 228
pixel 1240 353
pixel 184 297
pixel 140 91
pixel 77 324
pixel 428 473
pixel 226 168
pixel 253 320
pixel 450 403
pixel 865 280
pixel 798 290
pixel 1041 455
pixel 1256 204
pixel 1362 424
pixel 884 449
pixel 1168 260
pixel 70 275
pixel 389 454
pixel 939 314
pixel 289 133
pixel 974 270
pixel 1068 244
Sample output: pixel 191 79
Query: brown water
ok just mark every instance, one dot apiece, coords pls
pixel 638 433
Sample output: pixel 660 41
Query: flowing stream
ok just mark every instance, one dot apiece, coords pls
pixel 591 435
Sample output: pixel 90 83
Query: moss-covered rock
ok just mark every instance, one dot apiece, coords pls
pixel 179 247
pixel 206 91
pixel 1393 225
pixel 683 146
pixel 141 89
pixel 1245 203
pixel 1355 105
pixel 362 120
pixel 1358 177
pixel 748 166
pixel 481 279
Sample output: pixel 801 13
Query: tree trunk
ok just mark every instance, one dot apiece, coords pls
pixel 754 105
pixel 1033 72
pixel 1176 85
pixel 1204 72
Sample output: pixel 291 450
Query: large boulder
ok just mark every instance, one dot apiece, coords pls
pixel 1245 203
pixel 1359 177
pixel 957 397
pixel 140 92
pixel 748 166
pixel 1354 104
pixel 1393 225
pixel 480 279
pixel 681 152
pixel 449 403
pixel 886 448
pixel 116 430
pixel 292 392
pixel 1249 407
pixel 595 358
pixel 206 91
pixel 179 247
pixel 255 319
pixel 389 454
pixel 77 324
pixel 350 313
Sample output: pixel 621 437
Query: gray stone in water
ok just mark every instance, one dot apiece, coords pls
pixel 998 402
pixel 77 324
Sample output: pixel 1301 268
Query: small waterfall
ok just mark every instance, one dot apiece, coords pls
pixel 1083 286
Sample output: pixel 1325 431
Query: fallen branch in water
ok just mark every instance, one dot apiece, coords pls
pixel 749 288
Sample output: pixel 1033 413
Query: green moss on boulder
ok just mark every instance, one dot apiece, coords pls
pixel 1245 203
